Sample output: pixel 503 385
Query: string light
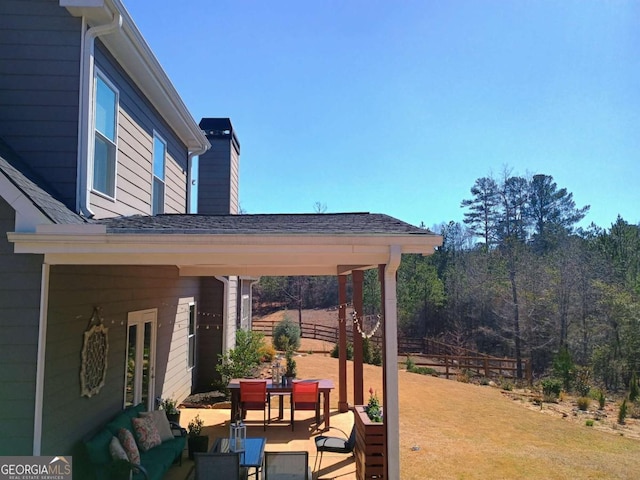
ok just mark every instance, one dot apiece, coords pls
pixel 357 321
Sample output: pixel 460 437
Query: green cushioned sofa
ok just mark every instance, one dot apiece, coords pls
pixel 155 462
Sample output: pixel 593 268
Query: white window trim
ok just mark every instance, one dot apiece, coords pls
pixel 153 175
pixel 194 335
pixel 110 84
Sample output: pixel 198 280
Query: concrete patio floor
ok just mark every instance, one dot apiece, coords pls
pixel 279 438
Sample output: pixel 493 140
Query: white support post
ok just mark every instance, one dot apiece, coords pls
pixel 42 342
pixel 392 403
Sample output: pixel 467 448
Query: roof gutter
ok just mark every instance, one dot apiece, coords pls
pixel 190 180
pixel 87 113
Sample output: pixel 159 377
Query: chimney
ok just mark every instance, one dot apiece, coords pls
pixel 218 169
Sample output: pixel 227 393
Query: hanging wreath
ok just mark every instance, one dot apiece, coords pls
pixel 93 372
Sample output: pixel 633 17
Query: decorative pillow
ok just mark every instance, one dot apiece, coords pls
pixel 159 418
pixel 116 450
pixel 146 433
pixel 129 444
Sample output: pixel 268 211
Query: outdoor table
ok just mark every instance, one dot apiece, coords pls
pixel 253 455
pixel 324 386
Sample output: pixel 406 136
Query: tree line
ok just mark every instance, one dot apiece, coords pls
pixel 515 278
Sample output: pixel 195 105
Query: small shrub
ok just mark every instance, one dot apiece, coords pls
pixel 634 389
pixel 286 334
pixel 464 376
pixel 376 355
pixel 551 388
pixel 633 410
pixel 291 368
pixel 243 360
pixel 584 403
pixel 410 364
pixel 601 399
pixel 589 422
pixel 582 381
pixel 622 413
pixel 564 368
pixel 366 350
pixel 335 353
pixel 424 371
pixel 268 353
pixel 506 385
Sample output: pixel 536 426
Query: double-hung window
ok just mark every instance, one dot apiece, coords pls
pixel 157 189
pixel 105 136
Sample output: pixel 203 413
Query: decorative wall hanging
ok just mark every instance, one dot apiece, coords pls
pixel 93 372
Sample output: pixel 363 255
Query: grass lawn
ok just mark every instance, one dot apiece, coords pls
pixel 453 430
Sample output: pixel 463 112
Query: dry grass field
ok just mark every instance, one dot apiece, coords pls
pixel 454 430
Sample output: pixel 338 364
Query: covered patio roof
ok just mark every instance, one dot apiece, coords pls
pixel 252 245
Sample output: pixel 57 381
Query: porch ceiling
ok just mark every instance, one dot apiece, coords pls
pixel 252 245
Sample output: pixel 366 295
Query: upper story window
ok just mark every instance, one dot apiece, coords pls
pixel 157 193
pixel 105 137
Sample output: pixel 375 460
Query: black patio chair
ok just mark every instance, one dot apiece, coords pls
pixel 325 443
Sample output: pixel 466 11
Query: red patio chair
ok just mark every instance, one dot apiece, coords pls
pixel 253 396
pixel 305 396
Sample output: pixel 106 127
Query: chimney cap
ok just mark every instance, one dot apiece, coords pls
pixel 217 124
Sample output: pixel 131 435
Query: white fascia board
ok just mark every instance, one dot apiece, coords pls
pixel 28 216
pixel 94 241
pixel 254 272
pixel 75 229
pixel 135 56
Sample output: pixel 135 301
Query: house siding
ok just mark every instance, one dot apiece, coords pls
pixel 20 280
pixel 209 333
pixel 137 121
pixel 74 292
pixel 218 177
pixel 39 87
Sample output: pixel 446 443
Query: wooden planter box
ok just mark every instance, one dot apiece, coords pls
pixel 371 439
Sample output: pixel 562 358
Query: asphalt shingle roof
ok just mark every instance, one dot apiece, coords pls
pixel 34 188
pixel 264 224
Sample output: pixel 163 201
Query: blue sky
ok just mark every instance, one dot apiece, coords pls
pixel 398 107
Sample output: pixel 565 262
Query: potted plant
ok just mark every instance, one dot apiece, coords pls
pixel 371 438
pixel 291 367
pixel 373 409
pixel 196 441
pixel 170 407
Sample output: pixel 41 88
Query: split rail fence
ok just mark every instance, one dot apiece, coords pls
pixel 448 360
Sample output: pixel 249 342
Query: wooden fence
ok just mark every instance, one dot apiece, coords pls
pixel 448 360
pixel 455 365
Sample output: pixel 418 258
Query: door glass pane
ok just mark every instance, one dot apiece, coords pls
pixel 131 367
pixel 146 364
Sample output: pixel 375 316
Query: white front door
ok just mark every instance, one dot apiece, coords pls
pixel 141 358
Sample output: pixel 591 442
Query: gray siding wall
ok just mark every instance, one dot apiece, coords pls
pixel 209 333
pixel 218 178
pixel 74 292
pixel 39 85
pixel 20 278
pixel 137 122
